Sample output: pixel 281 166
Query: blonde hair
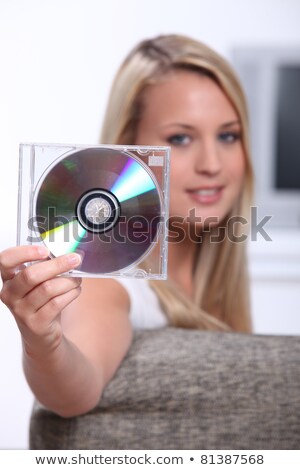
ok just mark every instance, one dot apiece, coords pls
pixel 221 298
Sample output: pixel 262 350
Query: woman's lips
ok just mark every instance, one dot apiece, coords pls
pixel 206 195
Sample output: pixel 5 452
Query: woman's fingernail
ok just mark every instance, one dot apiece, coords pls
pixel 43 251
pixel 74 259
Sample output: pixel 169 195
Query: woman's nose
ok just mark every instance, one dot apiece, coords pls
pixel 208 160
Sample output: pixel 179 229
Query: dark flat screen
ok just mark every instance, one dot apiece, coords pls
pixel 287 152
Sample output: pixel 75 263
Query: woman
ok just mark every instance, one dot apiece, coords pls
pixel 169 91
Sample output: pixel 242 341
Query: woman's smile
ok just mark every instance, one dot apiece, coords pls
pixel 206 195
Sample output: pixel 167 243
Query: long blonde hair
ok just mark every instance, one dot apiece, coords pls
pixel 221 299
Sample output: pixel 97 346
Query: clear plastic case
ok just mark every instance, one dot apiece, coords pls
pixel 109 203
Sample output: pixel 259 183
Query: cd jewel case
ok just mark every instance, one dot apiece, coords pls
pixel 107 203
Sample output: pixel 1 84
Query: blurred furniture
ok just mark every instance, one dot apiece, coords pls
pixel 186 389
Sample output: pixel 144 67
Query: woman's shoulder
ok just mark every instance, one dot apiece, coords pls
pixel 145 311
pixel 123 295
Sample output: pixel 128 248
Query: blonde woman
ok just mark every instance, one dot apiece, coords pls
pixel 171 91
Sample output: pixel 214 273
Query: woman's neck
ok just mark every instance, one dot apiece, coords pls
pixel 181 260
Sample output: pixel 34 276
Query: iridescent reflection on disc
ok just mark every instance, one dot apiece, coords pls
pixel 133 205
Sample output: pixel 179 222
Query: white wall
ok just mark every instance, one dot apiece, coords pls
pixel 57 59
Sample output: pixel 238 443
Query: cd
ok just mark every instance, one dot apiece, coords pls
pixel 103 203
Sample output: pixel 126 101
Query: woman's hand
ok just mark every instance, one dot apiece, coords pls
pixel 70 351
pixel 35 296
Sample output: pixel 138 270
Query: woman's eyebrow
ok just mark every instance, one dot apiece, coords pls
pixel 231 123
pixel 189 127
pixel 178 124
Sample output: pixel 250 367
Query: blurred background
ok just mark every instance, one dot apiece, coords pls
pixel 58 58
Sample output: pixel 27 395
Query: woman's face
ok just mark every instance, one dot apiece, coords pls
pixel 190 113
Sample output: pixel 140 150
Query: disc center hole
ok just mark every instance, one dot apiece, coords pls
pixel 98 210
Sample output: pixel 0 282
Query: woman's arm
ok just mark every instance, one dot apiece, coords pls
pixel 72 344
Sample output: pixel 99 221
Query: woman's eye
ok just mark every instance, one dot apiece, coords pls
pixel 179 139
pixel 229 137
